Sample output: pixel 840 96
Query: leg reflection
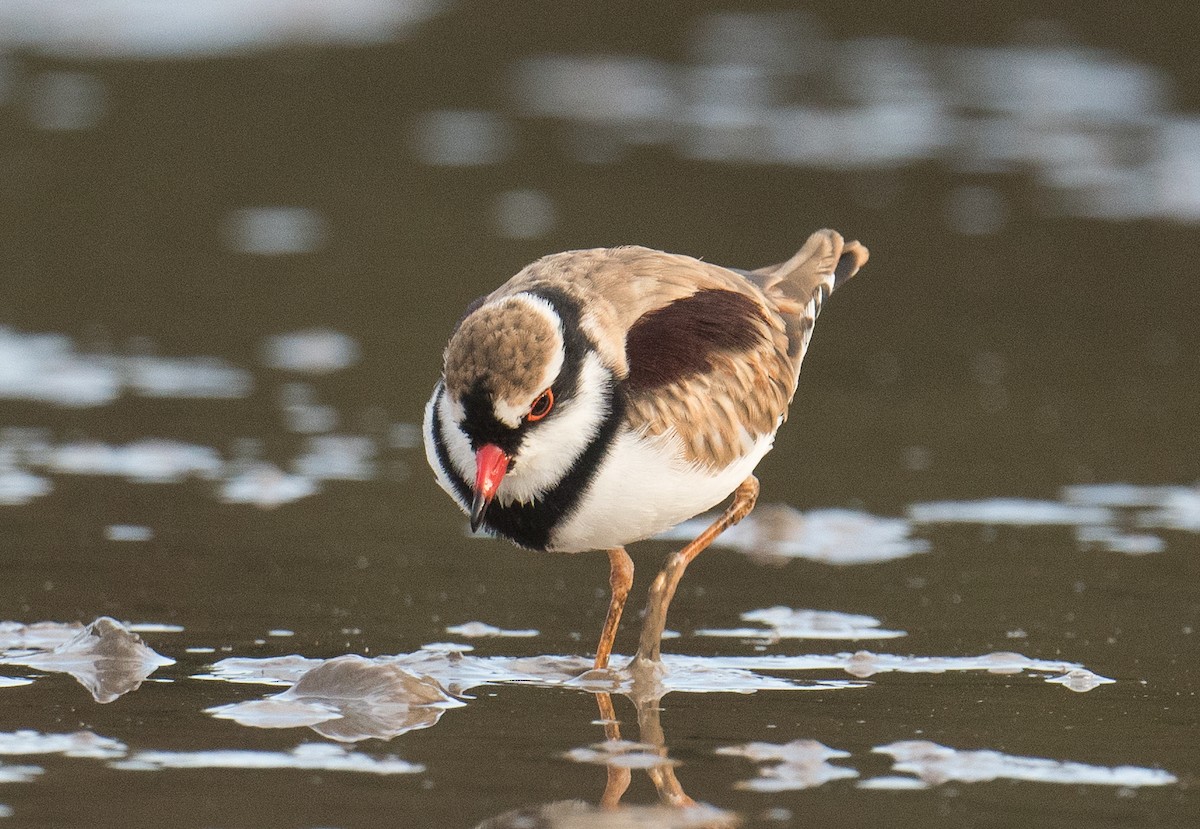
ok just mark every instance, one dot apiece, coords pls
pixel 651 736
pixel 650 732
pixel 618 776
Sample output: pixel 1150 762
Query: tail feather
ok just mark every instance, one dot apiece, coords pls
pixel 826 261
pixel 800 285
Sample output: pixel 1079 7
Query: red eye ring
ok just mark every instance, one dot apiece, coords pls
pixel 541 406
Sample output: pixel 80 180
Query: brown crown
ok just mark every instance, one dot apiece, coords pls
pixel 504 347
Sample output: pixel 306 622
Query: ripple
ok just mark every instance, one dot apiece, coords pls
pixel 311 351
pixel 476 630
pixel 155 29
pixel 1021 512
pixel 1100 513
pixel 75 744
pixel 349 698
pixel 934 764
pixel 308 756
pixel 622 753
pixel 786 623
pixel 105 657
pixel 776 533
pixel 800 764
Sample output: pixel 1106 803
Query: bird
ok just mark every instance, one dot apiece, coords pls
pixel 602 396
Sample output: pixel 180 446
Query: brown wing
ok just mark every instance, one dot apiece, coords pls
pixel 712 367
pixel 708 352
pixel 615 287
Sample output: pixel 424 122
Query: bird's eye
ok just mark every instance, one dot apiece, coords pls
pixel 541 407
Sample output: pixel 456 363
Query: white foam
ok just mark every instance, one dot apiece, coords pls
pixel 47 368
pixel 153 627
pixel 265 485
pixel 866 664
pixel 1020 512
pixel 524 214
pixel 186 377
pixel 128 532
pixel 349 698
pixel 1080 680
pixel 459 671
pixel 1114 541
pixel 635 93
pixel 800 764
pixel 18 486
pixel 1100 513
pixel 276 670
pixel 404 436
pixel 892 783
pixel 74 744
pixel 307 756
pixel 621 754
pixel 105 657
pixel 311 351
pixel 461 138
pixel 936 764
pixel 337 458
pixel 777 532
pixel 1177 168
pixel 475 630
pixel 787 623
pixel 275 230
pixel 302 412
pixel 143 461
pixel 1092 127
pixel 1180 511
pixel 18 774
pixel 1118 495
pixel 156 29
pixel 40 636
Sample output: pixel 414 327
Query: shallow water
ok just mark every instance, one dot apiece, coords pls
pixel 230 253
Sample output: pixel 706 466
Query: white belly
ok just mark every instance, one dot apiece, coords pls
pixel 644 487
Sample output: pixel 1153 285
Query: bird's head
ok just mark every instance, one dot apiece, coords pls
pixel 522 392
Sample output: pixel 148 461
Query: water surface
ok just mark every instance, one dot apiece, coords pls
pixel 231 250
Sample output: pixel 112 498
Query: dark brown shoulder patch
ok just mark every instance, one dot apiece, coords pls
pixel 676 341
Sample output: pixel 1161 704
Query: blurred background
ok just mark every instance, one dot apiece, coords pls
pixel 186 183
pixel 234 237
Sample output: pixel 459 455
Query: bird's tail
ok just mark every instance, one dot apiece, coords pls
pixel 800 285
pixel 825 262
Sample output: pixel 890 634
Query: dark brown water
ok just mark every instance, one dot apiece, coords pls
pixel 231 251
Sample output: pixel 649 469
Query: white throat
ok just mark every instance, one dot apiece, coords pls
pixel 553 446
